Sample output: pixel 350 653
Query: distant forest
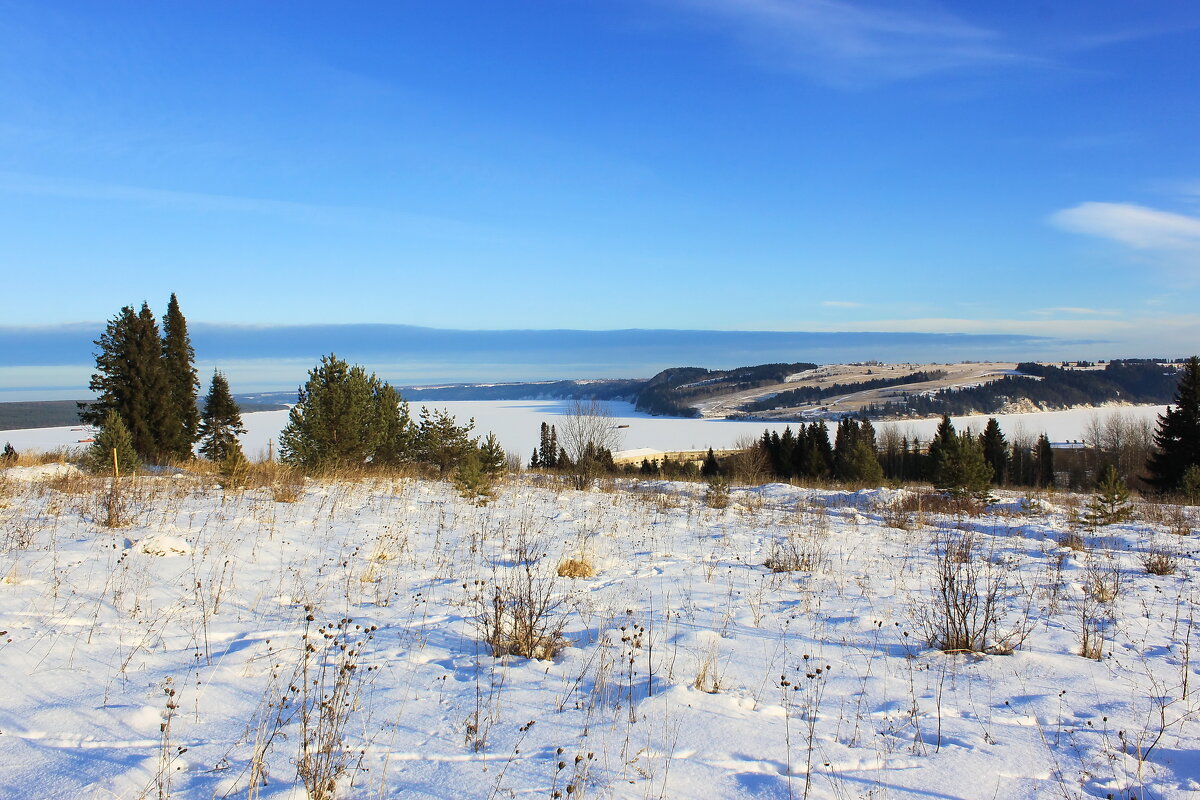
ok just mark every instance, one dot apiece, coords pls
pixel 672 391
pixel 1126 381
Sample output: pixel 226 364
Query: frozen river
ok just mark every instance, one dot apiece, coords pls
pixel 516 423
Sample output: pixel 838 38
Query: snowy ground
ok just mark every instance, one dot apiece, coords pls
pixel 690 670
pixel 517 423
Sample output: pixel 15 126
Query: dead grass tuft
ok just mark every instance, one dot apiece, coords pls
pixel 576 568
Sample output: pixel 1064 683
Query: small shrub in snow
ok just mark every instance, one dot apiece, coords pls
pixel 970 610
pixel 1160 561
pixel 1110 504
pixel 796 554
pixel 717 494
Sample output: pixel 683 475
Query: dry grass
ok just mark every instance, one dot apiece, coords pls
pixel 576 568
pixel 1160 561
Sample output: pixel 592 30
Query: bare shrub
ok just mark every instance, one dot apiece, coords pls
pixel 1073 540
pixel 750 464
pixel 921 503
pixel 1102 583
pixel 796 553
pixel 523 618
pixel 1160 561
pixel 576 568
pixel 969 609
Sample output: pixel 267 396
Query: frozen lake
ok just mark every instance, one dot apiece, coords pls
pixel 516 423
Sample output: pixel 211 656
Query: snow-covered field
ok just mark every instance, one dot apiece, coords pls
pixel 516 423
pixel 177 656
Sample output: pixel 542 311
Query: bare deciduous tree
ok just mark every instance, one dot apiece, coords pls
pixel 586 432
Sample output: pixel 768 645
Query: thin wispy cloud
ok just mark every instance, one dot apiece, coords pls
pixel 853 44
pixel 1173 238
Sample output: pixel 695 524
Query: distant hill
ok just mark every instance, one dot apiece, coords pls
pixel 61 413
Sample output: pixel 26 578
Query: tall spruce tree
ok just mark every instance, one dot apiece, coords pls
pixel 221 422
pixel 179 358
pixel 130 379
pixel 1044 459
pixel 1177 438
pixel 995 450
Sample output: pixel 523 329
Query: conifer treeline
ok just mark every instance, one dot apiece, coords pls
pixel 949 460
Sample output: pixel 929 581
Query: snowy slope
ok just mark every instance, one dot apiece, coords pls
pixel 690 670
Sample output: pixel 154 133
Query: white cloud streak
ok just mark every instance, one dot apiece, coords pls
pixel 854 44
pixel 1164 238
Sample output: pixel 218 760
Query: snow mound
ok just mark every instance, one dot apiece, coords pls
pixel 40 472
pixel 164 545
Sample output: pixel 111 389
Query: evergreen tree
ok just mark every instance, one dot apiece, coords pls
pixel 178 363
pixel 995 451
pixel 854 457
pixel 944 438
pixel 341 417
pixel 492 458
pixel 957 464
pixel 1044 459
pixel 535 461
pixel 821 451
pixel 1177 438
pixel 711 468
pixel 548 447
pixel 221 422
pixel 441 442
pixel 131 380
pixel 112 435
pixel 395 429
pixel 9 456
pixel 1111 502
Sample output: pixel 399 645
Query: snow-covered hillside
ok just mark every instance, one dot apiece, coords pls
pixel 182 655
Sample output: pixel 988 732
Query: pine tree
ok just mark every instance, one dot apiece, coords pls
pixel 113 435
pixel 711 468
pixel 995 450
pixel 341 417
pixel 441 442
pixel 9 456
pixel 221 422
pixel 492 458
pixel 535 461
pixel 1044 459
pixel 1111 502
pixel 1177 439
pixel 397 435
pixel 178 362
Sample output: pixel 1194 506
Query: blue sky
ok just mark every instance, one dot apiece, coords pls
pixel 1020 168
